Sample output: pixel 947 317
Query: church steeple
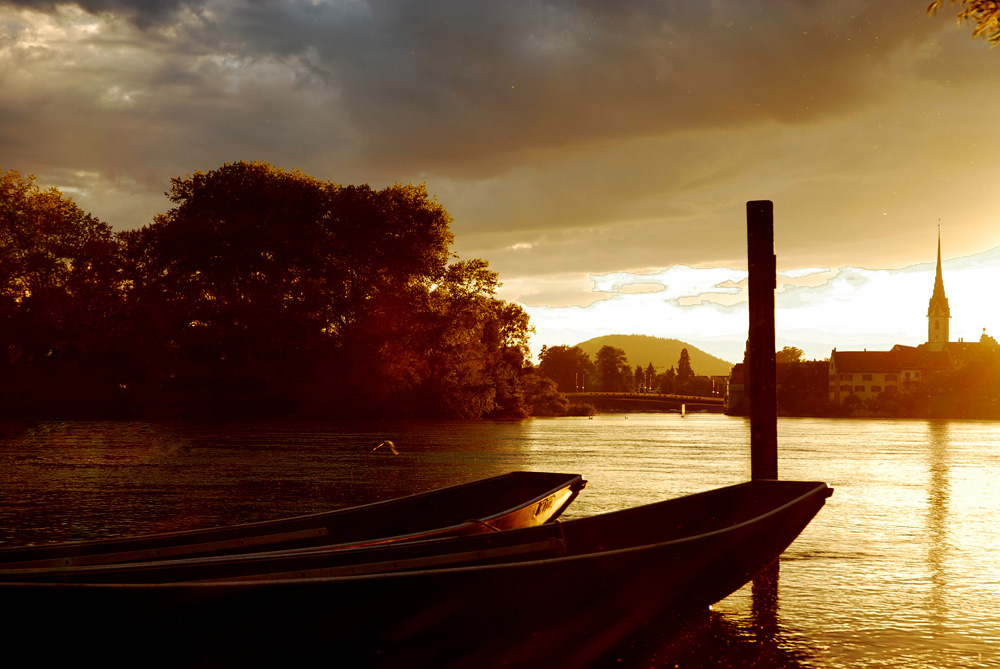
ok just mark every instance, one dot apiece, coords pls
pixel 938 312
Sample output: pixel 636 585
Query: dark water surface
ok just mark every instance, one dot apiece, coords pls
pixel 900 569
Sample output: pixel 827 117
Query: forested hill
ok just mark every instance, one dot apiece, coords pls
pixel 663 353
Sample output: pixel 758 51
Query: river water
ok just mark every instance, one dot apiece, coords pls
pixel 900 569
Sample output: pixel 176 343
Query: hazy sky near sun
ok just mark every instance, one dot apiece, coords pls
pixel 598 154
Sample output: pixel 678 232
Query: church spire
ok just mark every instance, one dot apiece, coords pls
pixel 938 280
pixel 938 311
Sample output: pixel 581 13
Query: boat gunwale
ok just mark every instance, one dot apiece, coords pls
pixel 75 555
pixel 820 489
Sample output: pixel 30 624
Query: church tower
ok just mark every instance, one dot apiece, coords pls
pixel 938 312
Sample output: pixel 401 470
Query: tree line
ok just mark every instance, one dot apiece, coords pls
pixel 573 371
pixel 262 291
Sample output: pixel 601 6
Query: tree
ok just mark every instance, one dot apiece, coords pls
pixel 627 381
pixel 385 244
pixel 542 397
pixel 60 296
pixel 261 290
pixel 609 363
pixel 984 14
pixel 684 372
pixel 568 366
pixel 803 388
pixel 269 289
pixel 639 378
pixel 238 285
pixel 788 354
pixel 668 381
pixel 466 350
pixel 650 378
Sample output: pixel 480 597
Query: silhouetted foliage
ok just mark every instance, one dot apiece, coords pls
pixel 610 363
pixel 568 366
pixel 262 290
pixel 685 375
pixel 233 286
pixel 667 381
pixel 972 390
pixel 788 354
pixel 581 409
pixel 802 387
pixel 984 14
pixel 60 302
pixel 465 350
pixel 542 396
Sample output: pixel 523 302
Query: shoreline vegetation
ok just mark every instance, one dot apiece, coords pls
pixel 269 293
pixel 262 292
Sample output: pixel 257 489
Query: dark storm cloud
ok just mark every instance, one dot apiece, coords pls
pixel 484 85
pixel 568 139
pixel 457 87
pixel 529 117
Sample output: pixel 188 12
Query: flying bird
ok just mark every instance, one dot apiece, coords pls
pixel 392 447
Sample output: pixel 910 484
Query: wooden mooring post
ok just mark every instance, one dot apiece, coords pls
pixel 760 342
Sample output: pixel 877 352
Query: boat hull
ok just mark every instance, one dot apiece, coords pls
pixel 508 501
pixel 618 571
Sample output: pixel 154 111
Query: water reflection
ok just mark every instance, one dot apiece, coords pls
pixel 899 570
pixel 714 639
pixel 764 604
pixel 938 500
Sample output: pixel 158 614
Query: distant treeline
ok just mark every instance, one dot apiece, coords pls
pixel 261 292
pixel 571 368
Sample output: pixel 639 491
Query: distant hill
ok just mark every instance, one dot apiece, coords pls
pixel 663 353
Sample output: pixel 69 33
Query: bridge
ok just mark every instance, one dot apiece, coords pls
pixel 651 402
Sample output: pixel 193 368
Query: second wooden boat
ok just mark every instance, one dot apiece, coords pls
pixel 514 500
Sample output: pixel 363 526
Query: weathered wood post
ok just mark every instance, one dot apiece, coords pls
pixel 760 344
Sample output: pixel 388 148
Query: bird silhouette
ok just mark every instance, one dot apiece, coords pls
pixel 392 447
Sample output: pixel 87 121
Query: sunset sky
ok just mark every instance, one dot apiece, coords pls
pixel 599 154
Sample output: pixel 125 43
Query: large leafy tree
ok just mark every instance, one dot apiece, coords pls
pixel 983 14
pixel 386 244
pixel 232 284
pixel 261 289
pixel 267 287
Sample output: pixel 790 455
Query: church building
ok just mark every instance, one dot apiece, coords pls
pixel 867 374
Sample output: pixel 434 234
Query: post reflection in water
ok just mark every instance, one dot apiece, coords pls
pixel 717 639
pixel 938 499
pixel 764 605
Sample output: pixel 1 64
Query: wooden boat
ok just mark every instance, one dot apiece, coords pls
pixel 566 594
pixel 517 499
